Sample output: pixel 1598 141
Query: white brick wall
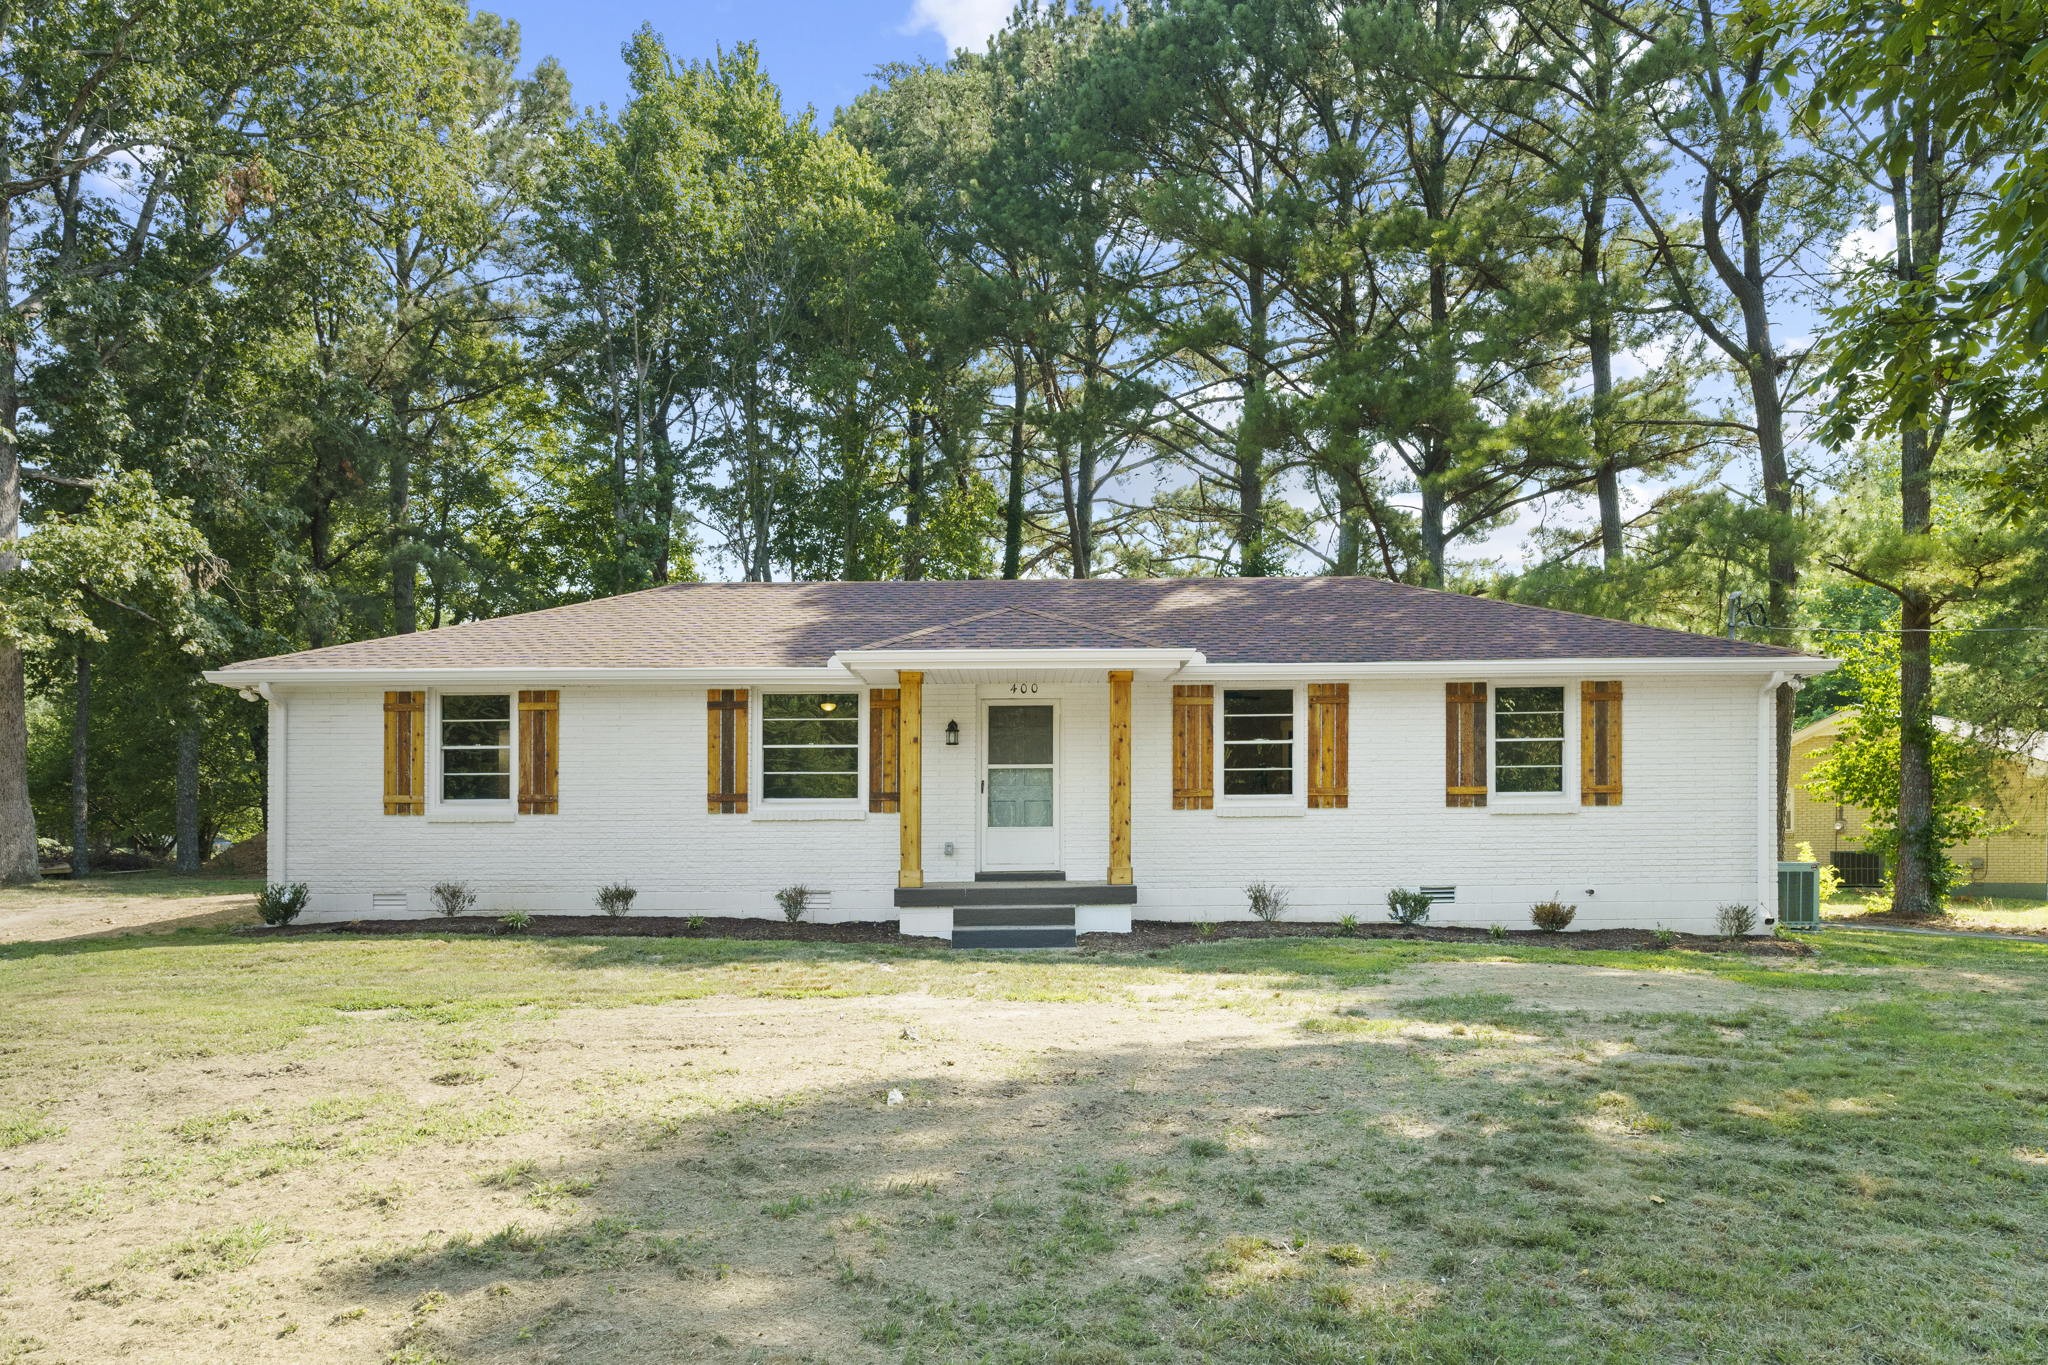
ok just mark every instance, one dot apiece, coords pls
pixel 1684 840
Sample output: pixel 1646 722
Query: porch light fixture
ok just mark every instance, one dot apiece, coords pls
pixel 828 706
pixel 952 734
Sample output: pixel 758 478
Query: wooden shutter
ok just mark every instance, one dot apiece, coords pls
pixel 885 711
pixel 1465 744
pixel 726 771
pixel 540 715
pixel 1329 746
pixel 1600 744
pixel 405 753
pixel 1194 762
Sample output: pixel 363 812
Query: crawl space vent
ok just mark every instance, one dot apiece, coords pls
pixel 1441 895
pixel 817 903
pixel 388 903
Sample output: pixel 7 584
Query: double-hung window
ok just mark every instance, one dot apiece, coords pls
pixel 476 747
pixel 1528 741
pixel 810 746
pixel 1258 741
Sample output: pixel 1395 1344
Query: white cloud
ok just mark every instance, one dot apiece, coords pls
pixel 962 23
pixel 1867 245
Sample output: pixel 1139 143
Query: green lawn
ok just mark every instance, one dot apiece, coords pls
pixel 219 1146
pixel 1993 914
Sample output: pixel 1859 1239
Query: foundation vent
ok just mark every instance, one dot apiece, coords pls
pixel 1440 895
pixel 389 903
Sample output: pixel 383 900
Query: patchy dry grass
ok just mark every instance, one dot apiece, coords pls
pixel 1984 914
pixel 461 1149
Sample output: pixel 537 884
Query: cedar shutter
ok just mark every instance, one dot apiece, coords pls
pixel 540 715
pixel 726 771
pixel 1465 744
pixel 1329 746
pixel 885 783
pixel 1600 743
pixel 405 753
pixel 1194 764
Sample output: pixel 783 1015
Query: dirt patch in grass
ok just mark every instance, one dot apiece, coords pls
pixel 1594 992
pixel 102 906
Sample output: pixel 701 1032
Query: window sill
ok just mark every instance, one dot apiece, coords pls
pixel 444 816
pixel 1497 806
pixel 795 812
pixel 1258 810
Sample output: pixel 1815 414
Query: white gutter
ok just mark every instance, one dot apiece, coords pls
pixel 1191 665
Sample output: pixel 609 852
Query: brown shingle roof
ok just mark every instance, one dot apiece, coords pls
pixel 1231 620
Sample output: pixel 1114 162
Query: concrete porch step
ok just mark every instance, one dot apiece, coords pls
pixel 1050 936
pixel 1014 917
pixel 1015 894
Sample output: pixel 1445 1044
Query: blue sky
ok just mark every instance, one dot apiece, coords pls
pixel 820 52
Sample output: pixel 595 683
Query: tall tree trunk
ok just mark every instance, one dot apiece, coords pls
pixel 81 754
pixel 759 568
pixel 1252 422
pixel 187 797
pixel 1600 359
pixel 1013 501
pixel 18 862
pixel 913 496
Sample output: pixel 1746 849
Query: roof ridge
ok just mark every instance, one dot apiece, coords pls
pixel 1012 609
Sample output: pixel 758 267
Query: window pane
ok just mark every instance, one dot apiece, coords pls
pixel 1258 727
pixel 1258 701
pixel 476 760
pixel 810 705
pixel 1527 752
pixel 1529 779
pixel 809 760
pixel 811 731
pixel 809 786
pixel 1020 734
pixel 1258 756
pixel 476 787
pixel 1020 798
pixel 1528 712
pixel 1257 782
pixel 476 732
pixel 493 706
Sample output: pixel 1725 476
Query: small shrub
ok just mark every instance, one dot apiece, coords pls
pixel 1348 924
pixel 793 900
pixel 1407 907
pixel 280 902
pixel 697 922
pixel 615 900
pixel 1552 916
pixel 1497 932
pixel 1268 902
pixel 1666 936
pixel 518 922
pixel 1830 875
pixel 1736 921
pixel 454 898
pixel 1205 929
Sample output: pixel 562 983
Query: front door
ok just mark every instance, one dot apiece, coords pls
pixel 1020 788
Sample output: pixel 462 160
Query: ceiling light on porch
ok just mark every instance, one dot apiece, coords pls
pixel 828 706
pixel 952 734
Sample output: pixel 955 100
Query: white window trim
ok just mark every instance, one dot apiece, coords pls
pixel 763 808
pixel 1296 801
pixel 445 812
pixel 1566 798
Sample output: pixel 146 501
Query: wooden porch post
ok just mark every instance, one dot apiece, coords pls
pixel 1120 777
pixel 910 774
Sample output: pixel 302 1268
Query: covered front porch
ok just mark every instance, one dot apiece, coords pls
pixel 1013 784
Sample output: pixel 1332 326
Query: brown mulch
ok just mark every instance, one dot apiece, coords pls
pixel 1145 933
pixel 1153 933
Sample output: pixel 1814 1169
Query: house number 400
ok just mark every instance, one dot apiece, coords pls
pixel 1023 689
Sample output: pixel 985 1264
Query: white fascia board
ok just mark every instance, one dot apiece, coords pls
pixel 463 677
pixel 1519 668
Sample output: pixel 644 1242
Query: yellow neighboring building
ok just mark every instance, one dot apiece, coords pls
pixel 2011 862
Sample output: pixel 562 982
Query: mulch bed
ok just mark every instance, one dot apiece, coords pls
pixel 1145 934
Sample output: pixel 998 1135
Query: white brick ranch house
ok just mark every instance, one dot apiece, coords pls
pixel 1045 755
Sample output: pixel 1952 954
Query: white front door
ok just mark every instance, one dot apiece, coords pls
pixel 1020 788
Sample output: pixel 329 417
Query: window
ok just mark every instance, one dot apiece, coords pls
pixel 1258 742
pixel 1528 740
pixel 810 746
pixel 476 747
